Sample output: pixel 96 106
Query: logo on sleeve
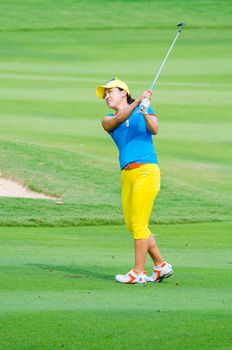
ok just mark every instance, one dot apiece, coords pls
pixel 127 123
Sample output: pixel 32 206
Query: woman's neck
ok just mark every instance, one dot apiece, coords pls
pixel 121 106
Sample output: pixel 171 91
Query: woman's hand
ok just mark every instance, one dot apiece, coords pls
pixel 145 94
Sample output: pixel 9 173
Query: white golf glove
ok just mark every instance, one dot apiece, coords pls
pixel 144 106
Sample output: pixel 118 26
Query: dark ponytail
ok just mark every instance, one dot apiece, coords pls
pixel 130 99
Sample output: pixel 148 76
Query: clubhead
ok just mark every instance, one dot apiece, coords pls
pixel 181 25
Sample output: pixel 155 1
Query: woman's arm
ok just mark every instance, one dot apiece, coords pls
pixel 150 119
pixel 110 123
pixel 151 123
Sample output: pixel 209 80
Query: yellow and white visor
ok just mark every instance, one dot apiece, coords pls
pixel 115 82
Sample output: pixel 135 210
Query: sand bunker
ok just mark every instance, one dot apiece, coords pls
pixel 9 188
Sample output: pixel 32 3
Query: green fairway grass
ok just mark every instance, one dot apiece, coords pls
pixel 58 262
pixel 58 289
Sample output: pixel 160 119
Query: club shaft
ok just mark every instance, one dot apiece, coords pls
pixel 153 84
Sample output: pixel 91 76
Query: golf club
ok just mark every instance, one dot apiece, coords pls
pixel 144 103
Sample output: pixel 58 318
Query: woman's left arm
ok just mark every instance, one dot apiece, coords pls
pixel 151 123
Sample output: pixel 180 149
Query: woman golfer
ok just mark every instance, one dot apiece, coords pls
pixel 132 132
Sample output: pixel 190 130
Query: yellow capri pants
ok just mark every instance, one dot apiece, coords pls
pixel 140 187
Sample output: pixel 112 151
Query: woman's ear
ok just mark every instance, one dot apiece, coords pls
pixel 124 93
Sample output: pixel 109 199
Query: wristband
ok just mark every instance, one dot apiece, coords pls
pixel 144 106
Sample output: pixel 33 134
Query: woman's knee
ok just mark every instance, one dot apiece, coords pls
pixel 140 232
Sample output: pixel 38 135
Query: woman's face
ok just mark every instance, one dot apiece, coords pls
pixel 114 97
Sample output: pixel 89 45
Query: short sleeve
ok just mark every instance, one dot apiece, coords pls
pixel 151 111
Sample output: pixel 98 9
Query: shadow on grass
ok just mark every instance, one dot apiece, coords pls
pixel 75 271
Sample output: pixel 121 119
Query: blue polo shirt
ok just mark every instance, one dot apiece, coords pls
pixel 134 140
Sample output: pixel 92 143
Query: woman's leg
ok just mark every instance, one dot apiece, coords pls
pixel 145 189
pixel 126 198
pixel 153 251
pixel 140 245
pixel 141 249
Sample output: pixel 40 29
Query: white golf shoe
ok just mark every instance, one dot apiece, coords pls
pixel 164 270
pixel 132 278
